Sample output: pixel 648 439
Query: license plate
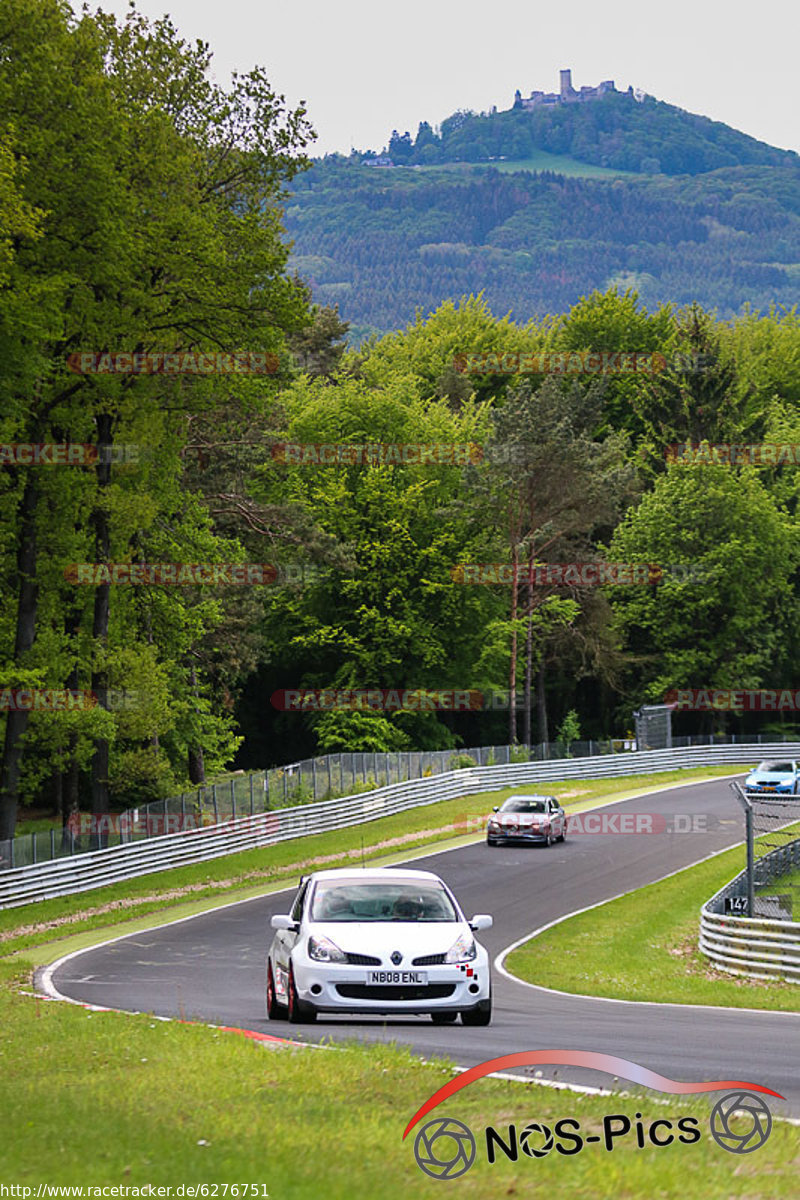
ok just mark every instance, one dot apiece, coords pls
pixel 378 977
pixel 768 789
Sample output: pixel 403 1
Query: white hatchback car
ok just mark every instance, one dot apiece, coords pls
pixel 382 941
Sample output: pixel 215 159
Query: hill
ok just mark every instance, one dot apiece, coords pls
pixel 383 243
pixel 615 131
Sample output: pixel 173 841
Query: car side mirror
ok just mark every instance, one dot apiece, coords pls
pixel 284 921
pixel 496 808
pixel 481 921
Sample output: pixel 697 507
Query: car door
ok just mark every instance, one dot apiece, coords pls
pixel 286 940
pixel 556 817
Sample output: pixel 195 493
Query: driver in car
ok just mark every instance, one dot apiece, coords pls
pixel 406 908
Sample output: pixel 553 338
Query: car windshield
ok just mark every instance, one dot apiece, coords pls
pixel 776 768
pixel 524 806
pixel 340 900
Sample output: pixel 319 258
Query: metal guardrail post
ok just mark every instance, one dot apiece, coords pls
pixel 742 797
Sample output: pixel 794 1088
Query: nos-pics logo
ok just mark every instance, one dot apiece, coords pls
pixel 446 1148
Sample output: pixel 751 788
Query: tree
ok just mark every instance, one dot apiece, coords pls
pixel 167 239
pixel 318 349
pixel 551 486
pixel 721 617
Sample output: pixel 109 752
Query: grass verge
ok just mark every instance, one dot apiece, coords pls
pixel 101 1099
pixel 238 876
pixel 643 946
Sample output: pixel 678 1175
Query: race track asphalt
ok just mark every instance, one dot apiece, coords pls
pixel 211 967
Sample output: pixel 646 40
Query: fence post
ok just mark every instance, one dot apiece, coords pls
pixel 214 800
pixel 233 799
pixel 52 843
pixel 266 790
pixel 33 846
pixel 751 898
pixel 284 789
pixel 252 804
pixel 330 782
pixel 742 797
pixel 12 851
pixel 314 776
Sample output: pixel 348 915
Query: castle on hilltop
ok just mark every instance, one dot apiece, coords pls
pixel 568 94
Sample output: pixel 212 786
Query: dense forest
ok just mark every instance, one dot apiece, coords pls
pixel 178 558
pixel 385 243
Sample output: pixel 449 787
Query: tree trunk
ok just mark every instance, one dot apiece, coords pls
pixel 197 770
pixel 102 603
pixel 512 667
pixel 27 597
pixel 70 794
pixel 526 730
pixel 541 704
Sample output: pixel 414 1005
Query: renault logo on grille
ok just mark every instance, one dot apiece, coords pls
pixel 396 957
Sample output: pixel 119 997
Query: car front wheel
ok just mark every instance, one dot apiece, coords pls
pixel 300 1013
pixel 481 1014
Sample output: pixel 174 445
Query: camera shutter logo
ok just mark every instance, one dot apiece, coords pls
pixel 532 1135
pixel 760 1122
pixel 444 1148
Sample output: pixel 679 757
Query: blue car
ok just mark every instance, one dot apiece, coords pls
pixel 778 776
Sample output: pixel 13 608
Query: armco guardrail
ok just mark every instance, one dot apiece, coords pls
pixel 761 947
pixel 325 777
pixel 95 868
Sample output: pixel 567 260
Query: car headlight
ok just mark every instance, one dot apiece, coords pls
pixel 463 949
pixel 322 949
pixel 494 824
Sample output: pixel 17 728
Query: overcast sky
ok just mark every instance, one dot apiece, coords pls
pixel 365 69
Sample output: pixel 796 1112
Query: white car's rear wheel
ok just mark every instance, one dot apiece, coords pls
pixel 275 1011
